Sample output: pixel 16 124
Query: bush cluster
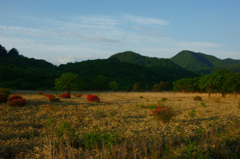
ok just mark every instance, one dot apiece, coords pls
pixel 66 95
pixel 52 98
pixel 163 114
pixel 92 98
pixel 16 100
pixel 197 98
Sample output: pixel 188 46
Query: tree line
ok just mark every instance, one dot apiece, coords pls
pixel 222 81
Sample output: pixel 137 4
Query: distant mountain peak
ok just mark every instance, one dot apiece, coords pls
pixel 200 62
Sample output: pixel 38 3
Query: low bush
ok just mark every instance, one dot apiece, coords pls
pixel 163 114
pixel 96 139
pixel 66 95
pixel 52 98
pixel 197 98
pixel 40 93
pixel 92 98
pixel 15 101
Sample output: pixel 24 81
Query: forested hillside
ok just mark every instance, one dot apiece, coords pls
pixel 203 63
pixel 125 69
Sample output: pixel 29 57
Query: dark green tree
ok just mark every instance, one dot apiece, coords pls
pixel 232 83
pixel 113 85
pixel 3 51
pixel 13 52
pixel 68 82
pixel 207 83
pixel 185 84
pixel 219 78
pixel 136 87
pixel 100 83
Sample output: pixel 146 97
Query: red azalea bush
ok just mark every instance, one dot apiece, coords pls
pixel 15 97
pixel 66 95
pixel 163 99
pixel 163 113
pixel 40 93
pixel 52 98
pixel 3 99
pixel 16 100
pixel 92 98
pixel 77 95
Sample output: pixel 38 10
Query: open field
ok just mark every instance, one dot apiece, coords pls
pixel 120 126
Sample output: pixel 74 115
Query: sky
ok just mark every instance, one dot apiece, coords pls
pixel 62 31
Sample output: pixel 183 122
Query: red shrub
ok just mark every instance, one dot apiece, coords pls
pixel 15 97
pixel 52 98
pixel 66 95
pixel 3 99
pixel 40 93
pixel 92 98
pixel 16 100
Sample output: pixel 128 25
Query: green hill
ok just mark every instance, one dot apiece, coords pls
pixel 202 63
pixel 164 67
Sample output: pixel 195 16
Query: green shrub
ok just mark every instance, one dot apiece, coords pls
pixel 203 104
pixel 96 139
pixel 163 113
pixel 197 98
pixel 4 95
pixel 192 113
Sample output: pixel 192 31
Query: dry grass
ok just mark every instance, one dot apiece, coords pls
pixel 30 131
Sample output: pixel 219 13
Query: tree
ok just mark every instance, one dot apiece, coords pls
pixel 136 87
pixel 219 78
pixel 68 82
pixel 185 84
pixel 100 83
pixel 113 85
pixel 13 52
pixel 232 83
pixel 206 82
pixel 3 51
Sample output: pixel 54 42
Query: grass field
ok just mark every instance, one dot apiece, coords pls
pixel 120 126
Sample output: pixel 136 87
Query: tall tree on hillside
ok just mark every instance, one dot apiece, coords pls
pixel 13 52
pixel 68 82
pixel 3 51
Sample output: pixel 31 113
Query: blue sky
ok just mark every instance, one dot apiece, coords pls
pixel 62 31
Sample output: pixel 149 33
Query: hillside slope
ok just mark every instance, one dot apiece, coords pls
pixel 202 63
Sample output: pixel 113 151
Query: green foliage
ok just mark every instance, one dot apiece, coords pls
pixel 68 82
pixel 186 84
pixel 4 92
pixel 203 104
pixel 113 85
pixel 100 83
pixel 136 87
pixel 96 139
pixel 66 130
pixel 163 113
pixel 202 63
pixel 192 113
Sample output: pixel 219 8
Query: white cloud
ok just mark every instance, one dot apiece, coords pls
pixel 145 20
